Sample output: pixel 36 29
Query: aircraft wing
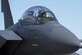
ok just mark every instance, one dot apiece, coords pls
pixel 8 35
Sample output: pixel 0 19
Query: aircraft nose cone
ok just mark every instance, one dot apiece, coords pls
pixel 67 40
pixel 64 40
pixel 72 48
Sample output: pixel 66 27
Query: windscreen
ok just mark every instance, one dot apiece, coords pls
pixel 38 15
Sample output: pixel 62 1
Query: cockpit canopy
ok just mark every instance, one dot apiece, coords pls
pixel 38 15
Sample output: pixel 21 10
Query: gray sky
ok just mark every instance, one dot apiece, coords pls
pixel 68 12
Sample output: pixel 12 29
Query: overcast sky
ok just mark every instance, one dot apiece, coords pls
pixel 68 12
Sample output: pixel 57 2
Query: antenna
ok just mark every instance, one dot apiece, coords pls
pixel 8 21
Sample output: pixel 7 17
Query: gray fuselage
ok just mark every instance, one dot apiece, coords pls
pixel 51 37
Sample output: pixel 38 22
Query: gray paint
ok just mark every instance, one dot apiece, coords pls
pixel 26 38
pixel 9 35
pixel 8 21
pixel 48 39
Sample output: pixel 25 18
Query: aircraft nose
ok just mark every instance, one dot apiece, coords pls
pixel 71 48
pixel 66 39
pixel 63 39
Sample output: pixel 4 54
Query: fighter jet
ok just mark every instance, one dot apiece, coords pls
pixel 38 32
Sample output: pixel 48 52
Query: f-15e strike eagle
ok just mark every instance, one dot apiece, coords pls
pixel 38 32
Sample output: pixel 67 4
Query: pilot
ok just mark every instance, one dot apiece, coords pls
pixel 42 17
